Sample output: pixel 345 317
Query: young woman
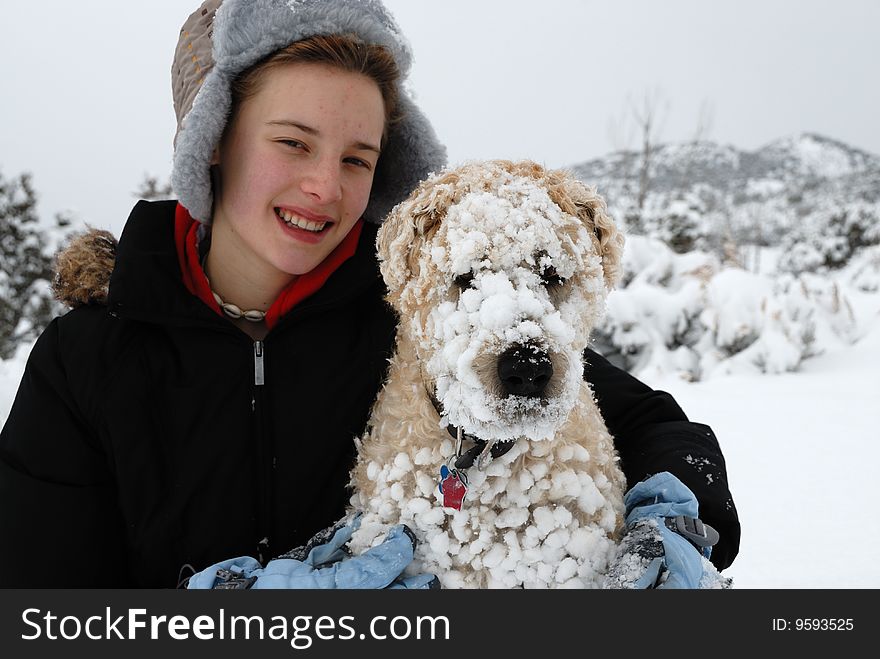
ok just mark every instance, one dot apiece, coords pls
pixel 206 408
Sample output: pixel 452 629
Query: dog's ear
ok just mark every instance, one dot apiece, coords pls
pixel 409 225
pixel 590 207
pixel 394 242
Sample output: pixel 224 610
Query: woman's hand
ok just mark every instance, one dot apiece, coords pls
pixel 327 565
pixel 665 545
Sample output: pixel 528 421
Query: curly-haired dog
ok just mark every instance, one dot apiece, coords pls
pixel 485 439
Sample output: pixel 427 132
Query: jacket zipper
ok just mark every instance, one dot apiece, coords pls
pixel 259 373
pixel 264 456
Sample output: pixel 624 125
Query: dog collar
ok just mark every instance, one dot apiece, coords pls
pixel 454 481
pixel 465 460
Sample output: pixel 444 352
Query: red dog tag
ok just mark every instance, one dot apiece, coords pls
pixel 453 487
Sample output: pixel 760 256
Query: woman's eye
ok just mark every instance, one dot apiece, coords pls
pixel 357 162
pixel 295 144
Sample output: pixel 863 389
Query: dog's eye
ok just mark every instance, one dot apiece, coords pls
pixel 550 278
pixel 464 281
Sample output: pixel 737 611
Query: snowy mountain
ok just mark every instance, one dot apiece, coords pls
pixel 804 162
pixel 739 261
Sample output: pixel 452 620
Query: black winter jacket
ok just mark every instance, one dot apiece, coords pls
pixel 143 438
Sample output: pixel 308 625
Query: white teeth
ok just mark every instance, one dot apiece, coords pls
pixel 300 222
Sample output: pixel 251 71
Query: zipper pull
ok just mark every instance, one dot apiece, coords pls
pixel 259 378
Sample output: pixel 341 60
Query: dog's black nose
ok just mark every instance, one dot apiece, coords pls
pixel 524 371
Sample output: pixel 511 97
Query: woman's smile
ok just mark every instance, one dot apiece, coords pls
pixel 298 225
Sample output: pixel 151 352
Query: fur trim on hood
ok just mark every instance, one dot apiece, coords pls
pixel 213 50
pixel 83 268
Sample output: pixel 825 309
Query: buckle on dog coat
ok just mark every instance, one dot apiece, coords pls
pixel 692 529
pixel 232 580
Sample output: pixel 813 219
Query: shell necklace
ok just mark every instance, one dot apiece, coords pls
pixel 233 311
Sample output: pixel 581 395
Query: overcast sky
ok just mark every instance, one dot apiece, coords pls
pixel 86 102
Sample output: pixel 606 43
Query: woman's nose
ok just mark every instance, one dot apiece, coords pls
pixel 322 182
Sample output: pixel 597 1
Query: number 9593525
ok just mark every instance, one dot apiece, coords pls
pixel 823 624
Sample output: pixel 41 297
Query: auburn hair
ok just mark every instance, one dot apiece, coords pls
pixel 346 52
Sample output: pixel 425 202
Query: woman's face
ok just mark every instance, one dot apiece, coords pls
pixel 296 166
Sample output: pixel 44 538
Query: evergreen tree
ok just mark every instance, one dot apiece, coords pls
pixel 26 303
pixel 151 189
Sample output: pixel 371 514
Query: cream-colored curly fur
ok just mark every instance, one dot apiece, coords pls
pixel 547 512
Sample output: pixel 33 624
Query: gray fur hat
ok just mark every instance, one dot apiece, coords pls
pixel 222 38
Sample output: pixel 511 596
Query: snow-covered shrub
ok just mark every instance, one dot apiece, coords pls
pixel 829 236
pixel 689 220
pixel 755 324
pixel 689 315
pixel 799 255
pixel 679 225
pixel 761 221
pixel 647 324
pixel 864 270
pixel 654 320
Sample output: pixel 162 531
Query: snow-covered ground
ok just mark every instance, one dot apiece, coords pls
pixel 802 456
pixel 803 452
pixel 10 375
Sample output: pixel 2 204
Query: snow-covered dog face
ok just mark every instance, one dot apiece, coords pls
pixel 499 271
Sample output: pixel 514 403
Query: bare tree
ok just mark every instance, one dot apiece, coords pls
pixel 702 129
pixel 643 119
pixel 705 119
pixel 648 115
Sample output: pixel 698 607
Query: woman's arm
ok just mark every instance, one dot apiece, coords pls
pixel 652 434
pixel 59 521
